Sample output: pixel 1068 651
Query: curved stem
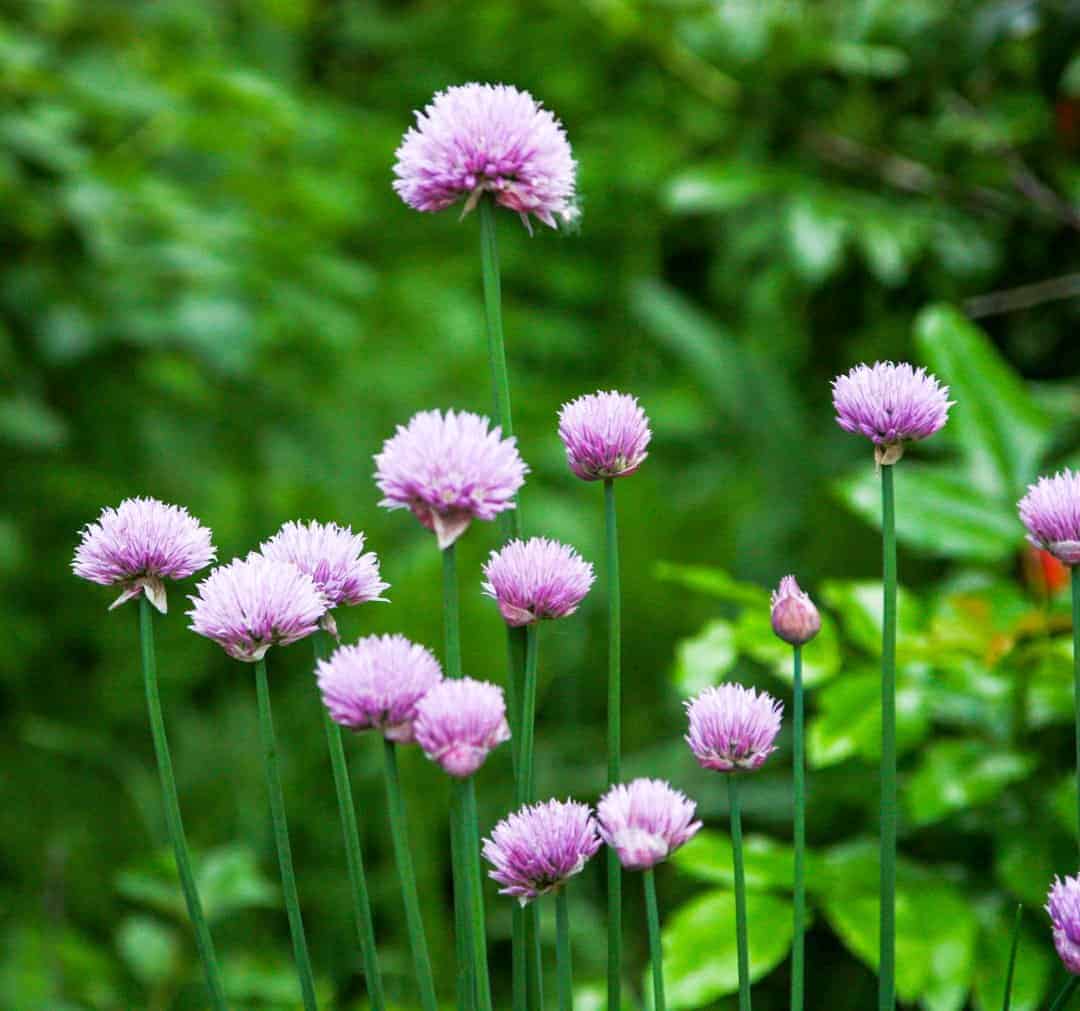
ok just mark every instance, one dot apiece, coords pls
pixel 740 891
pixel 656 953
pixel 451 617
pixel 1066 992
pixel 281 838
pixel 173 820
pixel 562 951
pixel 413 920
pixel 471 839
pixel 614 741
pixel 887 936
pixel 799 761
pixel 1075 571
pixel 354 859
pixel 526 772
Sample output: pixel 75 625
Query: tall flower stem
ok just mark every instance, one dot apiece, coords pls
pixel 1075 572
pixel 562 951
pixel 656 953
pixel 735 806
pixel 402 855
pixel 1066 993
pixel 451 617
pixel 281 838
pixel 887 935
pixel 354 859
pixel 527 731
pixel 489 266
pixel 173 820
pixel 614 739
pixel 799 761
pixel 470 834
pixel 1007 1001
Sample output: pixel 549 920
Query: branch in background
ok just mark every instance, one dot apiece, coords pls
pixel 1025 296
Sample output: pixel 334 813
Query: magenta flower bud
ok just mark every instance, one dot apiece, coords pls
pixel 645 821
pixel 537 849
pixel 459 722
pixel 1051 512
pixel 890 404
pixel 732 728
pixel 536 579
pixel 794 617
pixel 376 683
pixel 488 138
pixel 1063 905
pixel 254 603
pixel 139 545
pixel 334 557
pixel 449 470
pixel 605 435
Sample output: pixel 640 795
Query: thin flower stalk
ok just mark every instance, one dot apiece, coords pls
pixel 466 799
pixel 1006 1003
pixel 799 776
pixel 614 738
pixel 656 954
pixel 742 943
pixel 562 952
pixel 1062 1000
pixel 887 925
pixel 1075 579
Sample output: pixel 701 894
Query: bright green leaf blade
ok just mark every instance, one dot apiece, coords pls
pixel 858 606
pixel 705 658
pixel 149 948
pixel 714 582
pixel 708 857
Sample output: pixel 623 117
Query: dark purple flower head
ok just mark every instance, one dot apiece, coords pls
pixel 1063 905
pixel 449 470
pixel 890 404
pixel 732 728
pixel 537 849
pixel 1051 512
pixel 139 545
pixel 254 603
pixel 536 579
pixel 605 435
pixel 488 138
pixel 645 821
pixel 334 557
pixel 376 683
pixel 794 617
pixel 459 721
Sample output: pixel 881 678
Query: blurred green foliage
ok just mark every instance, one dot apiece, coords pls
pixel 210 294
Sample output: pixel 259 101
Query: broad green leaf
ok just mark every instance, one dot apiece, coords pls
pixel 817 233
pixel 1050 686
pixel 704 659
pixel 938 511
pixel 230 880
pixel 998 426
pixel 821 657
pixel 714 582
pixel 1024 863
pixel 858 606
pixel 150 949
pixel 1034 963
pixel 700 957
pixel 724 186
pixel 708 857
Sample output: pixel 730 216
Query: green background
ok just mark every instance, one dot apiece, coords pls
pixel 210 294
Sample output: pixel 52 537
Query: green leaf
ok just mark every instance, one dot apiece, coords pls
pixel 150 949
pixel 708 857
pixel 821 657
pixel 700 957
pixel 817 234
pixel 724 186
pixel 705 658
pixel 229 880
pixel 1024 863
pixel 858 605
pixel 714 582
pixel 999 427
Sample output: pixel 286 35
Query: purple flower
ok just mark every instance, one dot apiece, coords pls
pixel 1063 905
pixel 535 850
pixel 536 579
pixel 605 435
pixel 890 404
pixel 376 684
pixel 732 728
pixel 140 544
pixel 334 557
pixel 449 470
pixel 645 821
pixel 459 721
pixel 487 138
pixel 1051 512
pixel 794 617
pixel 254 603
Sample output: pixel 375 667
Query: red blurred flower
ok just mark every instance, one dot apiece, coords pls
pixel 1043 573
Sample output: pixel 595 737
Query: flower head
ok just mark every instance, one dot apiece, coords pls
pixel 334 557
pixel 536 849
pixel 376 683
pixel 536 579
pixel 459 721
pixel 732 728
pixel 449 469
pixel 605 435
pixel 645 821
pixel 487 138
pixel 890 404
pixel 140 544
pixel 1063 905
pixel 1051 512
pixel 794 617
pixel 254 603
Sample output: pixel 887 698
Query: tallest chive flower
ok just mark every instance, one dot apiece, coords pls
pixel 488 138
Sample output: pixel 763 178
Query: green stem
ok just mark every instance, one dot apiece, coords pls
pixel 1075 572
pixel 519 957
pixel 536 960
pixel 354 859
pixel 1066 992
pixel 799 761
pixel 740 891
pixel 562 951
pixel 413 920
pixel 656 953
pixel 281 838
pixel 471 839
pixel 463 941
pixel 173 820
pixel 489 267
pixel 614 741
pixel 887 935
pixel 451 617
pixel 1007 1002
pixel 526 772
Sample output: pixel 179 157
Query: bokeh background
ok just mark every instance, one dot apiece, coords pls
pixel 210 294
